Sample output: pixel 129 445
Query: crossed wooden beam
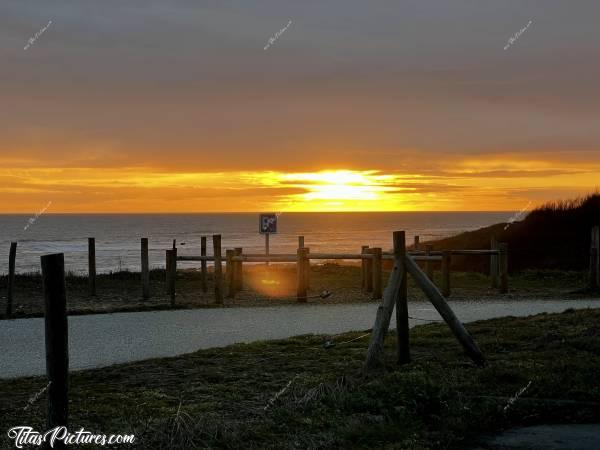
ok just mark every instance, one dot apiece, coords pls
pixel 396 294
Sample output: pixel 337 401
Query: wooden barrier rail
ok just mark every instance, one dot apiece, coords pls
pixel 288 257
pixel 454 252
pixel 371 266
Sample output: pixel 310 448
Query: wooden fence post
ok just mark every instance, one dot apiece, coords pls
pixel 494 263
pixel 429 264
pixel 377 275
pixel 168 271
pixel 306 261
pixel 503 265
pixel 218 269
pixel 446 260
pixel 145 270
pixel 384 315
pixel 203 265
pixel 402 327
pixel 230 273
pixel 267 247
pixel 57 341
pixel 595 258
pixel 301 275
pixel 171 273
pixel 307 268
pixel 228 262
pixel 369 271
pixel 363 269
pixel 239 269
pixel 12 256
pixel 92 265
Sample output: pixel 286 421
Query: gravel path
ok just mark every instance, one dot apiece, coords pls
pixel 105 339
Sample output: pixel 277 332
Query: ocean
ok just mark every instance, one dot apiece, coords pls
pixel 118 235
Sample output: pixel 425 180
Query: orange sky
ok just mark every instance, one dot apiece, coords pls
pixel 472 184
pixel 177 106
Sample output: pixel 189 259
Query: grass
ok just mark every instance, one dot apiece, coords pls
pixel 216 398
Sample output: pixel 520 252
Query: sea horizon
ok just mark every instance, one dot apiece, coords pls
pixel 118 235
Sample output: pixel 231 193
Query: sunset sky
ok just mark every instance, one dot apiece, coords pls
pixel 175 106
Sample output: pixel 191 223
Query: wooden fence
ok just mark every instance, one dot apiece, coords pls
pixel 371 266
pixel 371 259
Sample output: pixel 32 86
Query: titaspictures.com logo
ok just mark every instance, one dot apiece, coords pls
pixel 25 436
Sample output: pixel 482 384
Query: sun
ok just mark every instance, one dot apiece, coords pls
pixel 337 190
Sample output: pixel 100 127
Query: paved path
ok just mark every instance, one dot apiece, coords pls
pixel 105 339
pixel 547 437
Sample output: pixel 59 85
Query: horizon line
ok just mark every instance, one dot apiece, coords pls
pixel 252 212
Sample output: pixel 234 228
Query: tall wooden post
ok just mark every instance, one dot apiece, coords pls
pixel 168 271
pixel 494 263
pixel 384 314
pixel 145 270
pixel 595 258
pixel 230 273
pixel 416 246
pixel 57 341
pixel 12 256
pixel 307 268
pixel 446 259
pixel 301 275
pixel 92 265
pixel 307 261
pixel 239 269
pixel 203 274
pixel 228 262
pixel 369 271
pixel 503 263
pixel 363 269
pixel 429 264
pixel 402 326
pixel 377 274
pixel 171 273
pixel 267 247
pixel 218 270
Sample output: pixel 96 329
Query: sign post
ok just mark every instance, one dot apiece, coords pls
pixel 267 224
